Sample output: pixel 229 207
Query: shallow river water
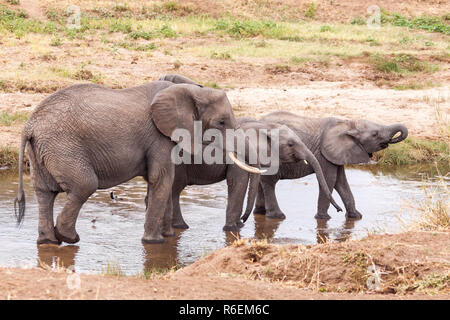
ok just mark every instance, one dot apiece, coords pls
pixel 384 197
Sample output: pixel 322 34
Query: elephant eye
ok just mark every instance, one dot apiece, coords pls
pixel 374 133
pixel 222 122
pixel 290 144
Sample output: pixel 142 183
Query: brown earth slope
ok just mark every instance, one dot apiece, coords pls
pixel 411 265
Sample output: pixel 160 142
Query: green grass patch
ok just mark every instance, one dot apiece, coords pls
pixel 311 10
pixel 415 151
pixel 18 22
pixel 113 269
pixel 7 119
pixel 401 63
pixel 430 23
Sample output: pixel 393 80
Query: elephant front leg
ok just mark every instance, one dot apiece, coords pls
pixel 343 188
pixel 273 210
pixel 260 206
pixel 160 186
pixel 177 219
pixel 323 204
pixel 167 221
pixel 237 182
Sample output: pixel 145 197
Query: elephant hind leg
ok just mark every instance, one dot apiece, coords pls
pixel 46 229
pixel 79 184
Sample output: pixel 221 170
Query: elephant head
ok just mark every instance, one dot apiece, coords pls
pixel 290 149
pixel 353 142
pixel 179 106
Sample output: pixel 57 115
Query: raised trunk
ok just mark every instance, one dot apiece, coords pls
pixel 394 129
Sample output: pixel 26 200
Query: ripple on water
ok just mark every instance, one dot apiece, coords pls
pixel 115 236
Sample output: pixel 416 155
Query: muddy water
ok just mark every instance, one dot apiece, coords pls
pixel 114 237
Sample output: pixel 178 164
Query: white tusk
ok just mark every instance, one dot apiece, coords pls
pixel 245 166
pixel 306 162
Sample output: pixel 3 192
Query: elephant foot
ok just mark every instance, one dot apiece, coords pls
pixel 233 227
pixel 151 240
pixel 46 241
pixel 240 224
pixel 322 215
pixel 259 210
pixel 68 238
pixel 169 234
pixel 354 215
pixel 182 225
pixel 275 215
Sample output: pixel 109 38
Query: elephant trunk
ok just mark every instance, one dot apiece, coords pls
pixel 320 178
pixel 394 129
pixel 251 196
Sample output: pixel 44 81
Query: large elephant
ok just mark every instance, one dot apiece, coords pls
pixel 291 150
pixel 88 137
pixel 335 143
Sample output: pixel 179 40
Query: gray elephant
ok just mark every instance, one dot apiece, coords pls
pixel 291 150
pixel 335 143
pixel 88 137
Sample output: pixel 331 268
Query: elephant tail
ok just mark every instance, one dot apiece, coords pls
pixel 19 202
pixel 252 193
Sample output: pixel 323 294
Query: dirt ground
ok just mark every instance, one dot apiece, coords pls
pixel 416 108
pixel 412 265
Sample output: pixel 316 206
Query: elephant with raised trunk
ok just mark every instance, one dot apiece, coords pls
pixel 335 143
pixel 88 137
pixel 291 150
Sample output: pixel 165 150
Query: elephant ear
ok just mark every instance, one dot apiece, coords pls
pixel 340 144
pixel 177 107
pixel 176 78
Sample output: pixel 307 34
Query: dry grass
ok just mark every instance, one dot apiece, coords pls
pixel 435 209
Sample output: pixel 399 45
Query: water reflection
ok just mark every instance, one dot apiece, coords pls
pixel 342 233
pixel 162 256
pixel 115 236
pixel 56 256
pixel 265 228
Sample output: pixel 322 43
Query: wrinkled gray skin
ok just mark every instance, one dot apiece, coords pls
pixel 88 137
pixel 291 150
pixel 335 143
pixel 237 179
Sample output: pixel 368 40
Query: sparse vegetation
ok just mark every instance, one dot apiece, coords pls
pixel 9 157
pixel 413 151
pixel 7 119
pixel 113 269
pixel 401 63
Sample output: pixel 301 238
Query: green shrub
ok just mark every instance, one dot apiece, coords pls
pixel 310 11
pixel 358 21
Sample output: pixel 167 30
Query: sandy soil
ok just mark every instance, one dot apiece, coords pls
pixel 416 108
pixel 240 272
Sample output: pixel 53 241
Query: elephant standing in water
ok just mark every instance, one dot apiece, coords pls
pixel 291 149
pixel 335 143
pixel 88 137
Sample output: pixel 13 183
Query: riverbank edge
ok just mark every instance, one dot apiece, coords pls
pixel 194 282
pixel 412 151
